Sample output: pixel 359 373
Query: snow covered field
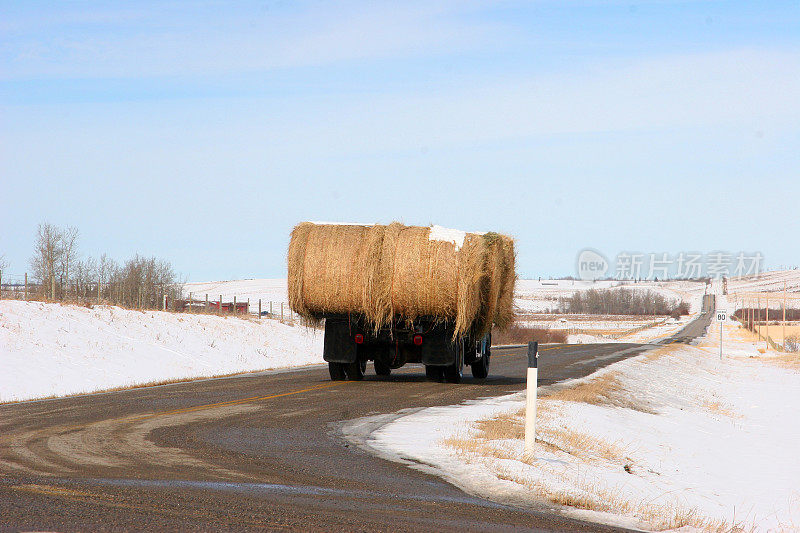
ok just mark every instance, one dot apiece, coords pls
pixel 266 289
pixel 52 349
pixel 675 438
pixel 662 330
pixel 534 296
pixel 767 281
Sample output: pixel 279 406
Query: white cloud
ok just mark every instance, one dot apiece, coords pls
pixel 176 40
pixel 754 89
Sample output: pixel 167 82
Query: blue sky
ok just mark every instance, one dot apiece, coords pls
pixel 201 132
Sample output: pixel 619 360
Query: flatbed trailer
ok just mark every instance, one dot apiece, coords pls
pixel 350 342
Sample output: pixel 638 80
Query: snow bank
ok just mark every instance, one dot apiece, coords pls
pixel 713 437
pixel 52 349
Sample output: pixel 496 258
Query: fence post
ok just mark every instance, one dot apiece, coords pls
pixel 783 326
pixel 220 305
pixel 259 308
pixel 530 401
pixel 206 308
pixel 766 336
pixel 758 318
pixel 234 305
pixel 164 306
pixel 270 308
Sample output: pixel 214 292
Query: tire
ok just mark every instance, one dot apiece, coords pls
pixel 337 371
pixel 382 368
pixel 433 373
pixel 453 373
pixel 480 368
pixel 355 370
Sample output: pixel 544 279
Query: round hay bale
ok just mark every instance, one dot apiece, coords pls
pixel 396 271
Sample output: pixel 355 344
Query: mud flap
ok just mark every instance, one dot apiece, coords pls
pixel 438 347
pixel 339 346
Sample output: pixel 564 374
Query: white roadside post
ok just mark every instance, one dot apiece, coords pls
pixel 722 316
pixel 530 405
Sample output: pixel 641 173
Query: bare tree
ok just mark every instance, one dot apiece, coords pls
pixel 69 246
pixel 141 282
pixel 47 255
pixel 105 270
pixel 3 265
pixel 619 302
pixel 85 274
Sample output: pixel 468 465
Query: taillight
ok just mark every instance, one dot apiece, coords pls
pixel 359 338
pixel 418 340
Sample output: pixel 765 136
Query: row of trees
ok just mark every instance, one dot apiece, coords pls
pixel 621 302
pixel 61 273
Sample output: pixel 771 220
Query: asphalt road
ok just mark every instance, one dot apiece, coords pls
pixel 258 452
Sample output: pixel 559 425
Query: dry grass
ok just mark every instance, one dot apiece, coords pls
pixel 383 272
pixel 595 497
pixel 490 434
pixel 586 495
pixel 494 439
pixel 721 409
pixel 517 334
pixel 581 444
pixel 502 426
pixel 602 390
pixel 786 360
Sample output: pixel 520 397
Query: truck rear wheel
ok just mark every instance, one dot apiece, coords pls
pixel 480 368
pixel 337 371
pixel 453 373
pixel 355 370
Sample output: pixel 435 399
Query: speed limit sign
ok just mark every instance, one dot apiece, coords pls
pixel 722 316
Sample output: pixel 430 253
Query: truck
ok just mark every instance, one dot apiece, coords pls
pixel 396 294
pixel 351 342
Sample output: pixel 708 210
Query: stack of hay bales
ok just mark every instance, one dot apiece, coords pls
pixel 388 271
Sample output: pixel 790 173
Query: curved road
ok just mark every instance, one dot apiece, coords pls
pixel 259 451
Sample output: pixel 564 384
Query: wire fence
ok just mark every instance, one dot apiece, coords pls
pixel 237 305
pixel 772 316
pixel 22 287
